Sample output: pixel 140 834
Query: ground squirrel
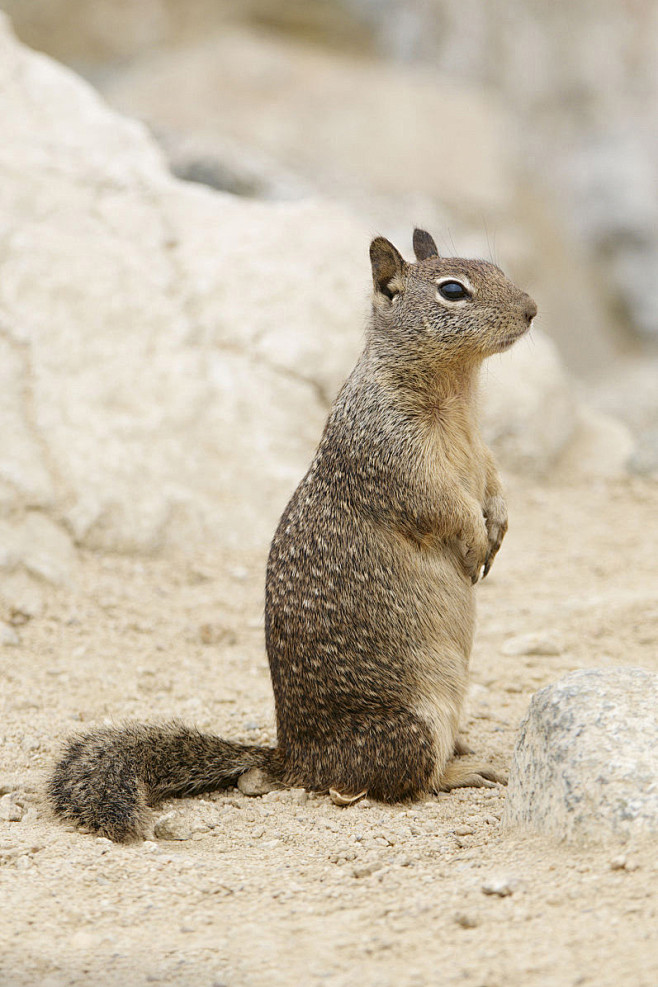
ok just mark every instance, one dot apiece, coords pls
pixel 369 611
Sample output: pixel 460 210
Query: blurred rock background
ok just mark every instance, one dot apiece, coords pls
pixel 471 102
pixel 170 349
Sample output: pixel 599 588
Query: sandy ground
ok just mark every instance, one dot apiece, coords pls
pixel 289 889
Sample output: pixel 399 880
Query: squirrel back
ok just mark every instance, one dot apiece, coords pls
pixel 369 610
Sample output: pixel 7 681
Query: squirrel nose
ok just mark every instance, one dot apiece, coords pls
pixel 530 309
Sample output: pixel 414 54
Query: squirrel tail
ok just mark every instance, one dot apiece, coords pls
pixel 107 779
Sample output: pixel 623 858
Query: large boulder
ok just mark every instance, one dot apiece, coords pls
pixel 365 131
pixel 168 353
pixel 585 765
pixel 339 120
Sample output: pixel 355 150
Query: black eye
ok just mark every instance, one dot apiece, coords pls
pixel 452 291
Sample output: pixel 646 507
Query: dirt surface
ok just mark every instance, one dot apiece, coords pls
pixel 289 889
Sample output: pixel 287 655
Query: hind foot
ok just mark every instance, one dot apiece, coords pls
pixel 345 798
pixel 461 748
pixel 458 774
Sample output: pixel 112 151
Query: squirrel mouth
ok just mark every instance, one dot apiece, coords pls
pixel 508 341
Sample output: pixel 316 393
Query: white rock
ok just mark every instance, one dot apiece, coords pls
pixel 585 765
pixel 201 337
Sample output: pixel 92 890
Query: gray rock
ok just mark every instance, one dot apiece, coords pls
pixel 585 765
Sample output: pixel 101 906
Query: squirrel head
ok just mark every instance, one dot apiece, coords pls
pixel 445 306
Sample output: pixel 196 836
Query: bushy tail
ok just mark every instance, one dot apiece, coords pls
pixel 107 779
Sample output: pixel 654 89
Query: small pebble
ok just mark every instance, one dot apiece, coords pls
pixel 18 617
pixel 197 574
pixel 255 782
pixel 173 826
pixel 10 811
pixel 621 862
pixel 365 870
pixel 466 921
pixel 8 636
pixel 216 634
pixel 463 830
pixel 499 886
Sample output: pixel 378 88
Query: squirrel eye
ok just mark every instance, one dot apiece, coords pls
pixel 453 291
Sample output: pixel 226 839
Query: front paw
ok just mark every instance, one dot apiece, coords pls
pixel 495 518
pixel 474 548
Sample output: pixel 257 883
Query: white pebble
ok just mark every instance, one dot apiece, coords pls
pixel 8 636
pixel 173 826
pixel 10 811
pixel 502 887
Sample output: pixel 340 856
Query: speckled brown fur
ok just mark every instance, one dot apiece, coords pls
pixel 369 611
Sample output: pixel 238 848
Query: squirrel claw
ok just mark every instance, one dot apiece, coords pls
pixel 343 798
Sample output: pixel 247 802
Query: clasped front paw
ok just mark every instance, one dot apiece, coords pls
pixel 474 549
pixel 495 518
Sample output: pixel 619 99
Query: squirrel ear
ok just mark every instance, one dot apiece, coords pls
pixel 424 245
pixel 387 265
